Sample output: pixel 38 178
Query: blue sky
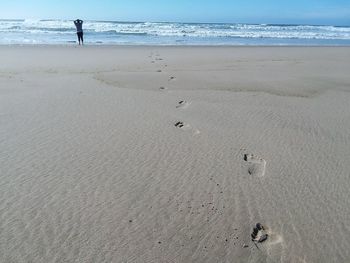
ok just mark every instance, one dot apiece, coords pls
pixel 336 12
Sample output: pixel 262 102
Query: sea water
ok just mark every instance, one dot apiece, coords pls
pixel 30 31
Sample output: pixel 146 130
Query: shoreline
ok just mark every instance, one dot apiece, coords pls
pixel 174 46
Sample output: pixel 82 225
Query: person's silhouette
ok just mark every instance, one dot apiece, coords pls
pixel 79 26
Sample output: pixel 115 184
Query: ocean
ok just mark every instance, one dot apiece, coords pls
pixel 30 31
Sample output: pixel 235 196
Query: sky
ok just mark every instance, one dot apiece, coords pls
pixel 325 12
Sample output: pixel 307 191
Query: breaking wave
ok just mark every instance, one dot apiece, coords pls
pixel 61 31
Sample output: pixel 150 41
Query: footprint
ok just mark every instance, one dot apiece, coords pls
pixel 259 234
pixel 257 166
pixel 180 125
pixel 182 104
pixel 171 78
pixel 265 236
pixel 162 88
pixel 159 70
pixel 184 126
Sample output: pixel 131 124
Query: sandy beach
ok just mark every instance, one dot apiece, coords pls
pixel 173 154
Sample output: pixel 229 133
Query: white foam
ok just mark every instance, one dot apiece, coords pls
pixel 210 32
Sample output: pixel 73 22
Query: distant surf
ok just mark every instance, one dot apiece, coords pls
pixel 31 31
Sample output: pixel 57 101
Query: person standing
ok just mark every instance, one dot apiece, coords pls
pixel 79 26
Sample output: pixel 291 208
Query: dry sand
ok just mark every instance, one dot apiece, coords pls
pixel 173 154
